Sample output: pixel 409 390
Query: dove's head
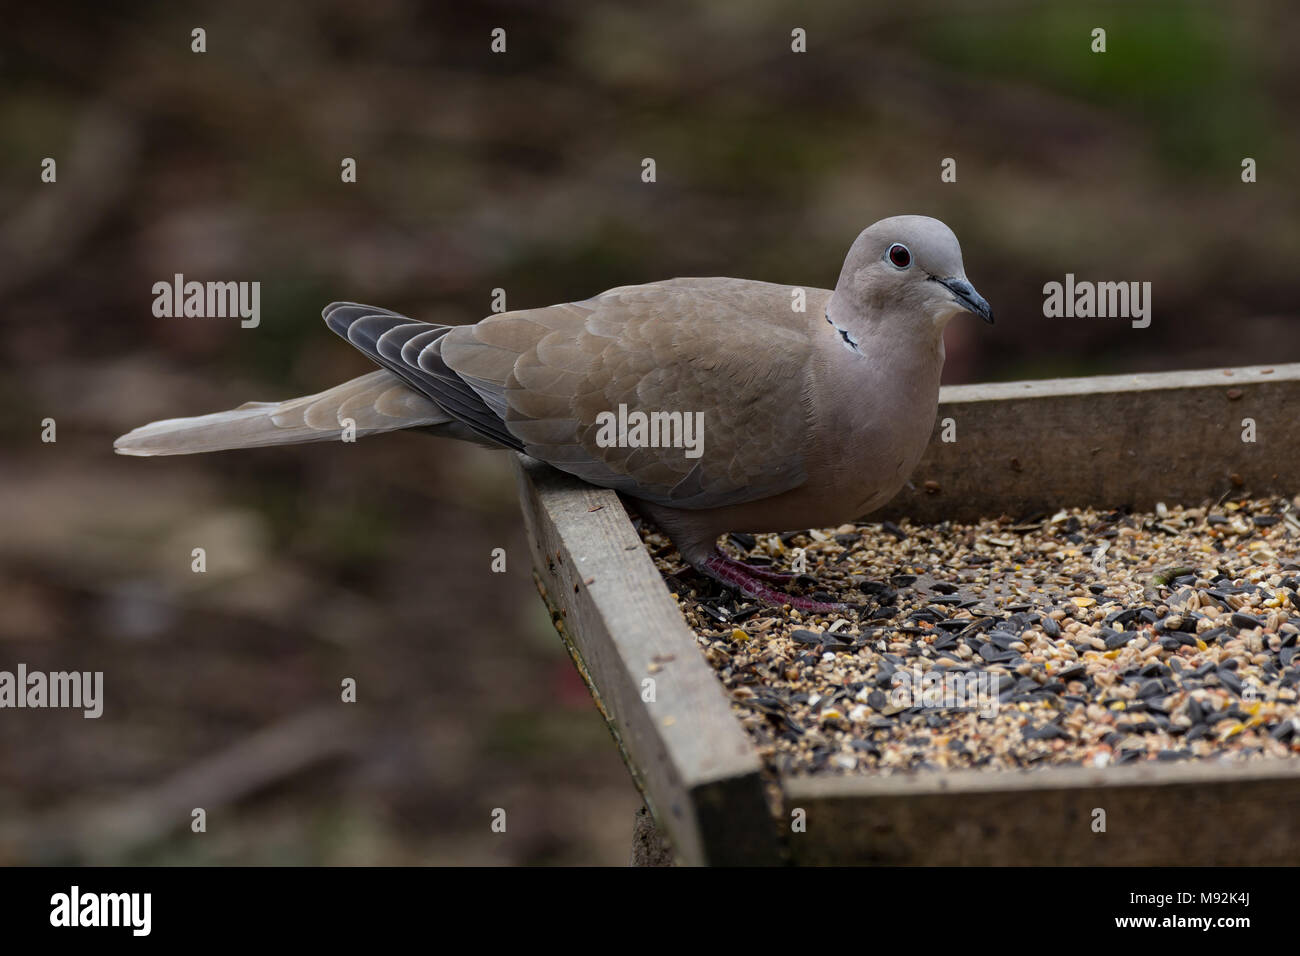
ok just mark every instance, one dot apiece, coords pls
pixel 907 268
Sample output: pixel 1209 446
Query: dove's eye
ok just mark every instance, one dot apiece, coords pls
pixel 899 255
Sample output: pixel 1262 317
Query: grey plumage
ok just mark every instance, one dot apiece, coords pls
pixel 812 417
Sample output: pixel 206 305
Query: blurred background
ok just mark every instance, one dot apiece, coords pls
pixel 520 171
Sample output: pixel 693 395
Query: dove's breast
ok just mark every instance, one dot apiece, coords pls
pixel 873 415
pixel 876 412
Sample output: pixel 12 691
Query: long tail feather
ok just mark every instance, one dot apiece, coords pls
pixel 378 402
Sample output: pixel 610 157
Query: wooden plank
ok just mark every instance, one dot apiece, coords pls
pixel 691 758
pixel 1187 814
pixel 1109 441
pixel 648 847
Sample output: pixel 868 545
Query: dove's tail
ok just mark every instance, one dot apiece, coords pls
pixel 374 403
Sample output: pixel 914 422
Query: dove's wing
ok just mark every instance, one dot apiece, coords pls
pixel 732 349
pixel 538 381
pixel 411 350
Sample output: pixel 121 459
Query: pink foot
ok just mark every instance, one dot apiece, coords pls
pixel 765 574
pixel 751 581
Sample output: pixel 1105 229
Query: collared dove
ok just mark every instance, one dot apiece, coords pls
pixel 811 417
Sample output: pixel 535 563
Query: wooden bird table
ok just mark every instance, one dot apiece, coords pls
pixel 1023 447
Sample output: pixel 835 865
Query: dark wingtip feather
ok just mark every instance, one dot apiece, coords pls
pixel 339 316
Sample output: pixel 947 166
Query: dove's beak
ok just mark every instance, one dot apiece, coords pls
pixel 967 297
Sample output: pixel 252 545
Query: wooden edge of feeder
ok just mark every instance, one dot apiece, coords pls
pixel 692 760
pixel 1020 448
pixel 1163 814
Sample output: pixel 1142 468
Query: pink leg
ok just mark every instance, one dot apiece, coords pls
pixel 749 580
pixel 765 574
